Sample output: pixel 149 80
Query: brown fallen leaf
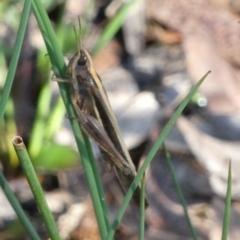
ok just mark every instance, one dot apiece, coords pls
pixel 211 40
pixel 214 155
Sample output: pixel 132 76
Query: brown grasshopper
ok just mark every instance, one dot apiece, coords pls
pixel 97 119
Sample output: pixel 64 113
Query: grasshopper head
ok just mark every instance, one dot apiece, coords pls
pixel 82 60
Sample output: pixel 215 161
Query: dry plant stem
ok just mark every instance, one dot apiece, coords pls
pixel 35 187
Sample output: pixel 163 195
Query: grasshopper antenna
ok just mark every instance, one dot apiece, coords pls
pixel 80 32
pixel 78 36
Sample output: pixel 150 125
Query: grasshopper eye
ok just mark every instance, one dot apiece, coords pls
pixel 82 61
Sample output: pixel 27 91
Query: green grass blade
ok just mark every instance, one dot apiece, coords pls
pixel 98 184
pixel 142 209
pixel 15 56
pixel 179 193
pixel 56 54
pixel 50 38
pixel 36 188
pixel 3 69
pixel 89 165
pixel 111 29
pixel 227 211
pixel 150 157
pixel 55 119
pixel 37 136
pixel 10 123
pixel 18 209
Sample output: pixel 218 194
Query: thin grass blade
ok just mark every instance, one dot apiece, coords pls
pixel 226 219
pixel 179 192
pixel 56 57
pixel 17 208
pixel 15 56
pixel 111 29
pixel 142 209
pixel 150 157
pixel 35 187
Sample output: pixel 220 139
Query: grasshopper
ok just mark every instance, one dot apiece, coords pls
pixel 96 116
